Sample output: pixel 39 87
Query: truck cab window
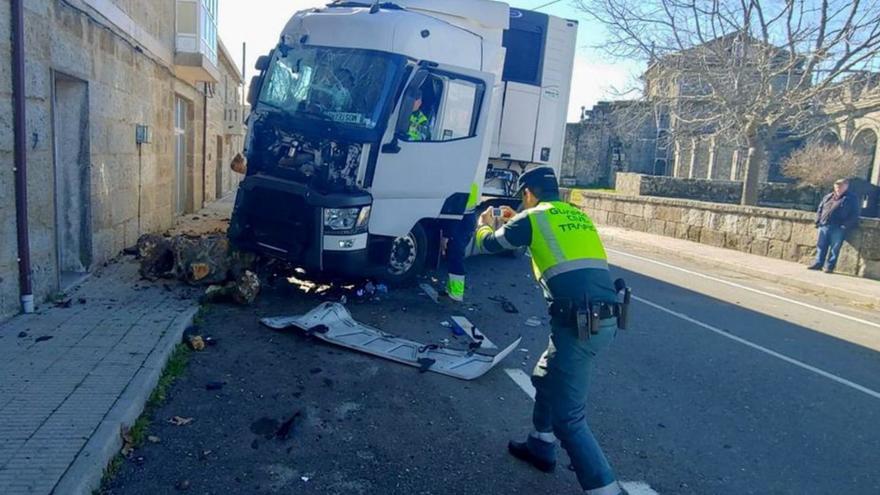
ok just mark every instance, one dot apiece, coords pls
pixel 442 109
pixel 347 87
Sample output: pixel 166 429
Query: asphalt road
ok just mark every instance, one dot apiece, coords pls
pixel 715 389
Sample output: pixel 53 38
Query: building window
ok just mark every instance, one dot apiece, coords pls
pixel 209 29
pixel 197 27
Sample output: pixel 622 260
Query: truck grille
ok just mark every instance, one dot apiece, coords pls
pixel 281 221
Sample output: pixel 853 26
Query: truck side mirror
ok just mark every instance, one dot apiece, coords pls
pixel 262 63
pixel 254 90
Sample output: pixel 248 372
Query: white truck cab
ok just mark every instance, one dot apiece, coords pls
pixel 372 123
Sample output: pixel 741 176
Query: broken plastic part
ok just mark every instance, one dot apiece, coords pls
pixel 344 331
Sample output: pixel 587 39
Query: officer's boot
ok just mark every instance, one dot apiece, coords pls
pixel 539 450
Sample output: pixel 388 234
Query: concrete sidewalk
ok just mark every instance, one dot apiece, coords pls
pixel 864 292
pixel 72 375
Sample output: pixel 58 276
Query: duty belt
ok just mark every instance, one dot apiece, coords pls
pixel 582 316
pixel 585 316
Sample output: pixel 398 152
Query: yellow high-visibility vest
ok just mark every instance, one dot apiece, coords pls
pixel 564 239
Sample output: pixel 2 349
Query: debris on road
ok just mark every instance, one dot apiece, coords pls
pixel 430 291
pixel 22 335
pixel 180 420
pixel 470 330
pixel 332 323
pixel 153 439
pixel 201 260
pixel 196 342
pixel 286 428
pixel 43 338
pixel 243 290
pixel 156 256
pixel 127 441
pixel 214 385
pixel 534 321
pixel 445 324
pixel 506 305
pixel 64 303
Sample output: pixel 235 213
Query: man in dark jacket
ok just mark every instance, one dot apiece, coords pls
pixel 838 213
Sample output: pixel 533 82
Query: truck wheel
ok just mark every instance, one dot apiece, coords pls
pixel 407 257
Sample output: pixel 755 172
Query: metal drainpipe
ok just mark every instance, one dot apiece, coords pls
pixel 204 143
pixel 20 132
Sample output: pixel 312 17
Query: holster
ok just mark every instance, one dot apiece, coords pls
pixel 621 310
pixel 580 315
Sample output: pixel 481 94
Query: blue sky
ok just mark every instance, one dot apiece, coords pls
pixel 595 75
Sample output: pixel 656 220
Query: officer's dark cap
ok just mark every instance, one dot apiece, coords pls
pixel 538 179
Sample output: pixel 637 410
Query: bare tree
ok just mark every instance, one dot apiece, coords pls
pixel 819 164
pixel 748 70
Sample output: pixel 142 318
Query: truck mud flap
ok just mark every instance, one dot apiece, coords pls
pixel 332 323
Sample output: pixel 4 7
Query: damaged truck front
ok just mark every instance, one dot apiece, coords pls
pixel 318 115
pixel 368 127
pixel 373 123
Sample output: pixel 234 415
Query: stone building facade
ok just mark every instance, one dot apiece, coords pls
pixel 117 95
pixel 596 148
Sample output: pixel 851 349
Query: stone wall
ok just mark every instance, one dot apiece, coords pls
pixel 782 234
pixel 129 186
pixel 612 137
pixel 771 194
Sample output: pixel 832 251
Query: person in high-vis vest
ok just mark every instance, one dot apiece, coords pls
pixel 419 123
pixel 459 234
pixel 569 261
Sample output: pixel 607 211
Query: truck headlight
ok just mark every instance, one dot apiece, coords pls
pixel 353 220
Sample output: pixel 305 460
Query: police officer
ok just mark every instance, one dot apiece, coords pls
pixel 569 261
pixel 419 123
pixel 459 234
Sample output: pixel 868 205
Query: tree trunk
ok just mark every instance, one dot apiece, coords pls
pixel 752 172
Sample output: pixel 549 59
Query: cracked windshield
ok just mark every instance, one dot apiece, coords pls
pixel 344 86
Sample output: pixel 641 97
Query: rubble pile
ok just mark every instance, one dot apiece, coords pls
pixel 205 260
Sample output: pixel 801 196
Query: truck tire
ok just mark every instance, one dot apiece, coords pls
pixel 406 258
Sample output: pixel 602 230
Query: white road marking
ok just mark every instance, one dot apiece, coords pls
pixel 799 364
pixel 472 332
pixel 638 488
pixel 750 289
pixel 525 383
pixel 520 378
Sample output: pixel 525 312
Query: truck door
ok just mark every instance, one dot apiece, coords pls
pixel 435 152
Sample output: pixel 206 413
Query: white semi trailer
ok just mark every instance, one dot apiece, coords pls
pixel 337 182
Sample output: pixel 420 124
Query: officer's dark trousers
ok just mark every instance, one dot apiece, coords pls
pixel 459 233
pixel 561 379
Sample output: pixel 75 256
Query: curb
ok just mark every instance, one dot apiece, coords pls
pixel 808 287
pixel 87 469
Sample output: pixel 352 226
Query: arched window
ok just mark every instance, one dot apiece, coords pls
pixel 660 167
pixel 865 144
pixel 829 138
